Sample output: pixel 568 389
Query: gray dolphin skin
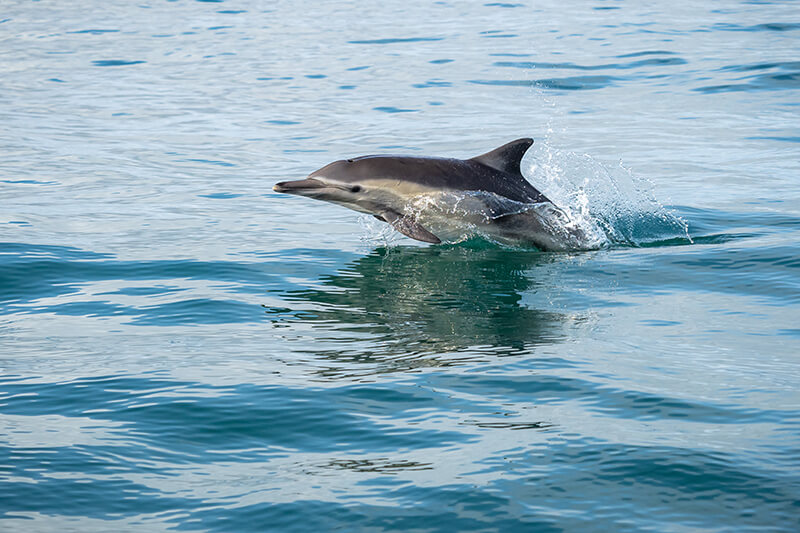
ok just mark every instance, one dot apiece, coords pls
pixel 434 199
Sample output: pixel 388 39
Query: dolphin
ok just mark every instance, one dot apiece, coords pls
pixel 436 199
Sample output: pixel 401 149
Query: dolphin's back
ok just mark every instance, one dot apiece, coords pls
pixel 440 173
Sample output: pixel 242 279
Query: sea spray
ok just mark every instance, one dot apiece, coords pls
pixel 611 202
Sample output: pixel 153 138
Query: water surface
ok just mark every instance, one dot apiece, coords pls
pixel 183 349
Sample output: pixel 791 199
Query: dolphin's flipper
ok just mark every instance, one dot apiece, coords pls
pixel 409 227
pixel 507 158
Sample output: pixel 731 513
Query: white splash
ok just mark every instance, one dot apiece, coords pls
pixel 618 206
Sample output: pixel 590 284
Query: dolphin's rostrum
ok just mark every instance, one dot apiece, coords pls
pixel 434 199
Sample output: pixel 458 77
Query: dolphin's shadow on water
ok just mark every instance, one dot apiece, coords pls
pixel 410 303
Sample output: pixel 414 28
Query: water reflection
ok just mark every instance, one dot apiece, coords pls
pixel 407 302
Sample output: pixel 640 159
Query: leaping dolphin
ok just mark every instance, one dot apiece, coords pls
pixel 435 199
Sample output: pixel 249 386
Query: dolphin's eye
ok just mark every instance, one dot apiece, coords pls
pixel 349 160
pixel 355 188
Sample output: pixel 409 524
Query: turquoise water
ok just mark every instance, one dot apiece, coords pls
pixel 184 349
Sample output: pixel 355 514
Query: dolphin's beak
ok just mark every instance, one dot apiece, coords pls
pixel 298 186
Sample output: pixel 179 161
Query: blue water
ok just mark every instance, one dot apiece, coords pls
pixel 183 349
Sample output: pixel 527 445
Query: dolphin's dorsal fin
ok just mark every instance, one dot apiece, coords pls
pixel 506 158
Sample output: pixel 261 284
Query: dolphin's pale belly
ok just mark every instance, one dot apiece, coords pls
pixel 457 216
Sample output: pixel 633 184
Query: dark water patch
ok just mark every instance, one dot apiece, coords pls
pixel 558 487
pixel 198 311
pixel 231 11
pixel 785 75
pixel 86 461
pixel 31 272
pixel 704 227
pixel 432 84
pixel 10 251
pixel 440 61
pixel 768 26
pixel 115 63
pixel 781 65
pixel 83 309
pixel 497 34
pixel 777 26
pixel 29 182
pixel 398 40
pixel 95 32
pixel 145 291
pixel 698 240
pixel 606 8
pixel 728 269
pixel 220 195
pixel 651 485
pixel 610 66
pixel 391 109
pixel 212 162
pixel 246 422
pixel 503 83
pixel 660 323
pixel 619 403
pixel 705 221
pixel 775 138
pixel 455 507
pixel 399 147
pixel 577 83
pixel 647 53
pixel 502 4
pixel 82 477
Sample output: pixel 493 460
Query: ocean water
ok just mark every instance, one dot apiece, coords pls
pixel 183 349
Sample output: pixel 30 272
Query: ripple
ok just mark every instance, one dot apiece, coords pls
pixel 769 26
pixel 398 40
pixel 576 83
pixel 787 76
pixel 391 109
pixel 612 66
pixel 244 421
pixel 432 84
pixel 95 32
pixel 646 53
pixel 33 277
pixel 115 63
